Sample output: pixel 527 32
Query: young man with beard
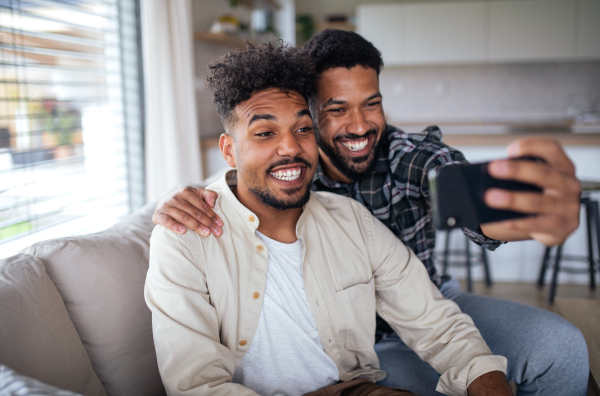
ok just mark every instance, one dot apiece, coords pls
pixel 277 305
pixel 386 170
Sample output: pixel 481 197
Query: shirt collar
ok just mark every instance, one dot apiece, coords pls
pixel 227 181
pixel 327 182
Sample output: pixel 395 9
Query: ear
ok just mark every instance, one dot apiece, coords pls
pixel 226 146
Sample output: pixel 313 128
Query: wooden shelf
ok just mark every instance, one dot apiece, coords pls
pixel 335 25
pixel 254 3
pixel 223 39
pixel 567 139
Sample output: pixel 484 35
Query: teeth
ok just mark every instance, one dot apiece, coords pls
pixel 288 174
pixel 356 145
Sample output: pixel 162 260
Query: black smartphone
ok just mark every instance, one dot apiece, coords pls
pixel 457 195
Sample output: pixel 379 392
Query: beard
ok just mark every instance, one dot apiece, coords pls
pixel 293 200
pixel 269 199
pixel 354 168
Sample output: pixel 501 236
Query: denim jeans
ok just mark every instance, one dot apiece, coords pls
pixel 546 354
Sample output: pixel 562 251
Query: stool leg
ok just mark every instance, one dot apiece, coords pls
pixel 544 267
pixel 555 274
pixel 446 253
pixel 468 255
pixel 486 267
pixel 595 210
pixel 589 214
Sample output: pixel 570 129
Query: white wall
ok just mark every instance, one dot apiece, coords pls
pixel 490 92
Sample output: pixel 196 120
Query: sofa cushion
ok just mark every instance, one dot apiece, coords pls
pixel 14 384
pixel 100 278
pixel 37 338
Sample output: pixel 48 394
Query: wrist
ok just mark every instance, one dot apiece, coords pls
pixel 499 232
pixel 493 383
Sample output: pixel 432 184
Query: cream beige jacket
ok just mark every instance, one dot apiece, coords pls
pixel 205 294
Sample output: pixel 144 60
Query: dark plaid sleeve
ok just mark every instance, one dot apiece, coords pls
pixel 481 240
pixel 416 155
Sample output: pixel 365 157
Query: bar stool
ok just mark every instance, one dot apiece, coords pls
pixel 464 258
pixel 592 215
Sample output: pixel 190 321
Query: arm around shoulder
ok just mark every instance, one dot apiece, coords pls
pixel 191 359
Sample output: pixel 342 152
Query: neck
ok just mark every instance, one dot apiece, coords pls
pixel 331 171
pixel 279 225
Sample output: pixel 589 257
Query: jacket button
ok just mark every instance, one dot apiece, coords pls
pixel 243 343
pixel 255 295
pixel 251 218
pixel 259 248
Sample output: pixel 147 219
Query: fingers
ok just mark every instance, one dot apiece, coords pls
pixel 557 215
pixel 182 213
pixel 187 208
pixel 203 201
pixel 194 218
pixel 208 196
pixel 168 222
pixel 549 229
pixel 542 175
pixel 547 149
pixel 524 202
pixel 556 208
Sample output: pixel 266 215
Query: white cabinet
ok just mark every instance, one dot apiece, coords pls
pixel 445 33
pixel 482 31
pixel 588 38
pixel 526 30
pixel 385 26
pixel 425 33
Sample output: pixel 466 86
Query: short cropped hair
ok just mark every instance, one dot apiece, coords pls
pixel 235 77
pixel 334 48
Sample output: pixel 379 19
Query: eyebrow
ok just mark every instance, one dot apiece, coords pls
pixel 376 95
pixel 271 117
pixel 334 102
pixel 302 113
pixel 257 117
pixel 340 102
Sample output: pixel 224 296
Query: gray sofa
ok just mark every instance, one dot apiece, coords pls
pixel 73 315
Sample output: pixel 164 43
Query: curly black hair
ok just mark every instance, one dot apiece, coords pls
pixel 235 77
pixel 339 48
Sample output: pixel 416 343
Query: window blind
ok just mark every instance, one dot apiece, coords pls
pixel 71 113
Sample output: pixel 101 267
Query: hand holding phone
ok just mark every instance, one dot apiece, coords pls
pixel 457 193
pixel 545 202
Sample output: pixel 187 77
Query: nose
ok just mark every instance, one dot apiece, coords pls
pixel 289 145
pixel 358 123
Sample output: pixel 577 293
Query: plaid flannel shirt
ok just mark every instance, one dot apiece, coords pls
pixel 397 190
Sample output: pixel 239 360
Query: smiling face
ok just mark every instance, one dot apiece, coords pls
pixel 273 147
pixel 349 115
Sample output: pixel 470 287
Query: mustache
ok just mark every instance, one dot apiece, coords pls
pixel 290 161
pixel 352 136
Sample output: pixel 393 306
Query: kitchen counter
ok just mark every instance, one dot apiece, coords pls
pixel 503 139
pixel 477 133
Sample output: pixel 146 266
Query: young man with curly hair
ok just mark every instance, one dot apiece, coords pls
pixel 386 169
pixel 284 302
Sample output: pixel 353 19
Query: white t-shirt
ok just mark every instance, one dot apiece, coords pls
pixel 286 356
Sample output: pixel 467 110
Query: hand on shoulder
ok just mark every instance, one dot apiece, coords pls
pixel 189 207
